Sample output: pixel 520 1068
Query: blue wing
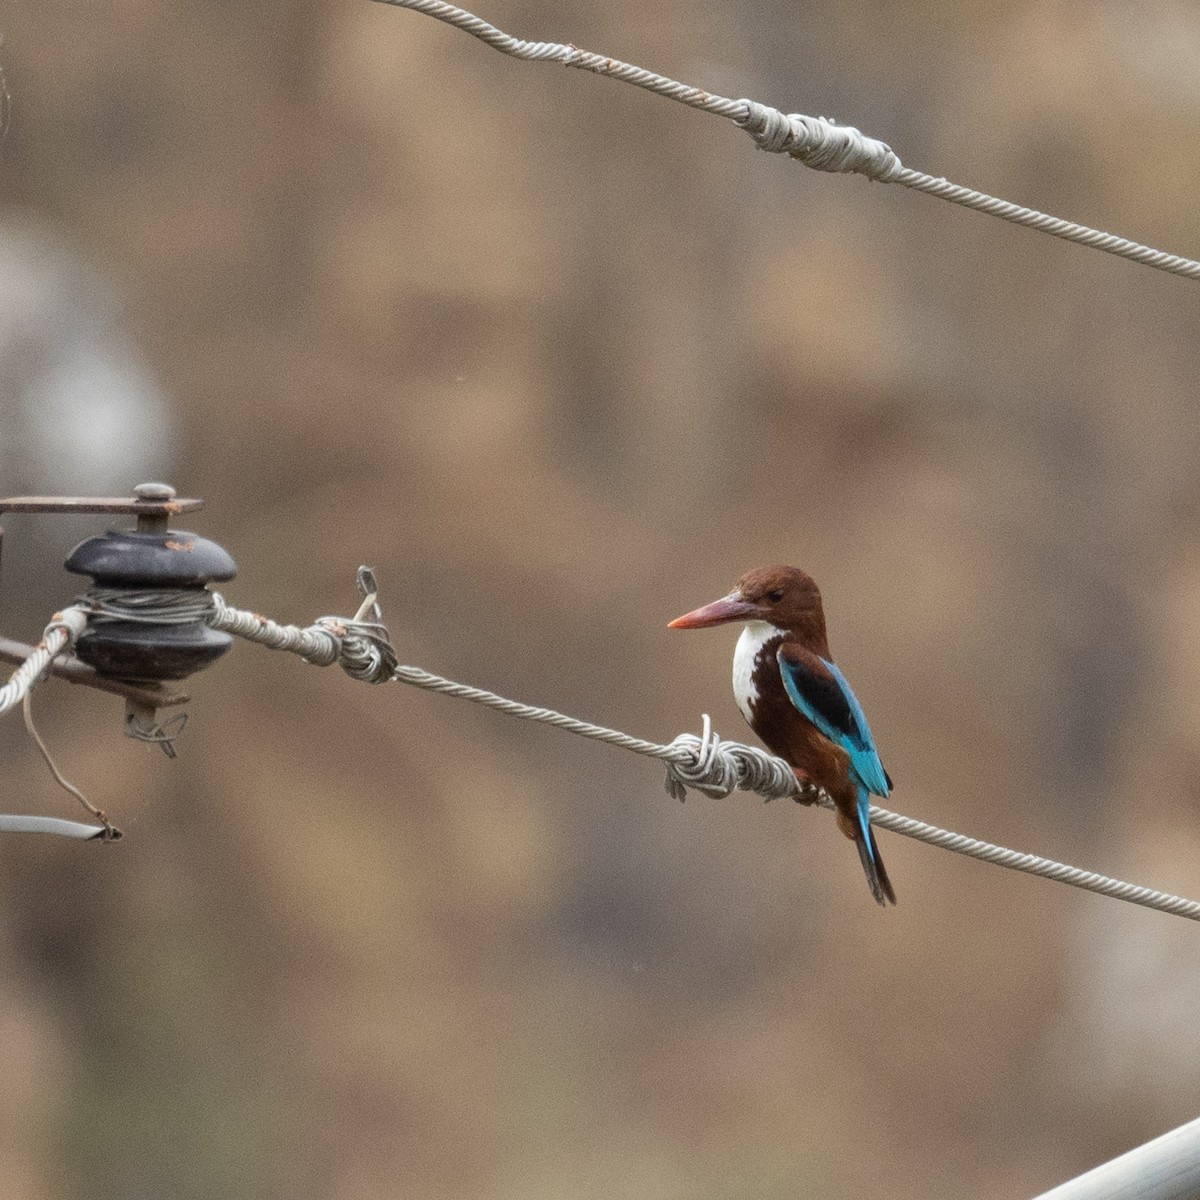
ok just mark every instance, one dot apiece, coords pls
pixel 822 694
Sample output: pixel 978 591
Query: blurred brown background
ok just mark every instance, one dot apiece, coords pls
pixel 561 359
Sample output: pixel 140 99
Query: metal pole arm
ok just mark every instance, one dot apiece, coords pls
pixel 1167 1168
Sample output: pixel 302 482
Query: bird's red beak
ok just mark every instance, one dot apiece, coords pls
pixel 719 612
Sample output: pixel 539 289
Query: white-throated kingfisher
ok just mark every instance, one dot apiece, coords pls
pixel 799 703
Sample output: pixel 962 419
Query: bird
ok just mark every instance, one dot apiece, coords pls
pixel 797 701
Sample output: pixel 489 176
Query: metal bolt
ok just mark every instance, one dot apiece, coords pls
pixel 156 493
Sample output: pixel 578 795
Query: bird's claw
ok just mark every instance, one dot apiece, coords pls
pixel 809 792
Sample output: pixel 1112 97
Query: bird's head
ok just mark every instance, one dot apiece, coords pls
pixel 785 597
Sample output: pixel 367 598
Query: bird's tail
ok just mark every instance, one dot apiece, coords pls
pixel 868 854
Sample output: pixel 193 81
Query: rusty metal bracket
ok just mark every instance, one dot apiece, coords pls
pixel 67 667
pixel 154 504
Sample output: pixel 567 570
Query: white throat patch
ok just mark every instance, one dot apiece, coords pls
pixel 750 647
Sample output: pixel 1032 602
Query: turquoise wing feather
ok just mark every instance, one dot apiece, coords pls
pixel 824 696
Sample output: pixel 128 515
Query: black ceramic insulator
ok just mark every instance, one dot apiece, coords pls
pixel 128 558
pixel 137 651
pixel 137 560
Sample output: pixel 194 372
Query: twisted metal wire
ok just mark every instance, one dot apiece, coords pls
pixel 818 142
pixel 1032 864
pixel 315 644
pixel 162 606
pixel 717 768
pixel 571 56
pixel 1069 231
pixel 58 636
pixel 360 647
pixel 704 763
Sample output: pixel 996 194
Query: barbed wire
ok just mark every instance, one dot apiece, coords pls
pixel 362 647
pixel 818 142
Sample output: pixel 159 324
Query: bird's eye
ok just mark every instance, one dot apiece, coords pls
pixel 775 596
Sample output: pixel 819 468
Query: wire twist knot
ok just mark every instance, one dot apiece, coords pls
pixel 716 769
pixel 363 649
pixel 819 142
pixel 359 644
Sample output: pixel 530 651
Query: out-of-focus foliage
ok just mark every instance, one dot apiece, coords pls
pixel 560 360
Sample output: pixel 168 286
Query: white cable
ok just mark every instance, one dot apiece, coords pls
pixel 818 142
pixel 16 823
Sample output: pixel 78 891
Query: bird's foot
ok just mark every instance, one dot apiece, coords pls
pixel 809 792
